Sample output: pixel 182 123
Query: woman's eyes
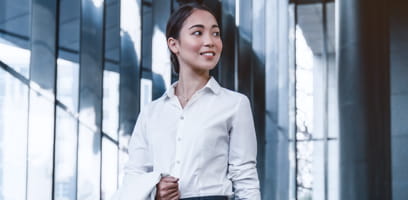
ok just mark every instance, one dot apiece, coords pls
pixel 197 33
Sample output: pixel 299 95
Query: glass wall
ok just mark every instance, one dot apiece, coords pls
pixel 84 137
pixel 314 153
pixel 111 59
pixel 14 91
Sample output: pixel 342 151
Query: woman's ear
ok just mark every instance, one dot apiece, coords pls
pixel 172 43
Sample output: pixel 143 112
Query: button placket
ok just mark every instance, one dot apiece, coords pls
pixel 178 152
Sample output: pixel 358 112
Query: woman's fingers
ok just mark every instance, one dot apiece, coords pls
pixel 169 179
pixel 167 188
pixel 168 194
pixel 174 196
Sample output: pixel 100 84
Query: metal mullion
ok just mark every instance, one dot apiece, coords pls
pixel 78 96
pixel 102 91
pixel 57 28
pixel 295 97
pixel 326 98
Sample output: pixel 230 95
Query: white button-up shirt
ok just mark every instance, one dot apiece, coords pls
pixel 210 145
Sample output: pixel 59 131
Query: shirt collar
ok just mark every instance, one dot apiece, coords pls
pixel 212 85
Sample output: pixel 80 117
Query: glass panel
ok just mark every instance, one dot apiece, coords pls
pixel 332 76
pixel 318 170
pixel 305 169
pixel 15 34
pixel 304 87
pixel 110 113
pixel 292 77
pixel 13 136
pixel 333 170
pixel 112 31
pixel 66 139
pixel 147 34
pixel 123 155
pixel 145 92
pixel 67 84
pixel 109 168
pixel 310 71
pixel 40 146
pixel 292 171
pixel 90 100
pixel 65 156
pixel 111 102
pixel 161 67
pixel 88 163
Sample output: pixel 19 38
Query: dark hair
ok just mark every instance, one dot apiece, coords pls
pixel 175 24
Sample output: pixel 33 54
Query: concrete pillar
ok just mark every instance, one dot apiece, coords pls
pixel 364 100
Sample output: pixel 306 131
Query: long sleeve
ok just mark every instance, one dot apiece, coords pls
pixel 242 154
pixel 140 180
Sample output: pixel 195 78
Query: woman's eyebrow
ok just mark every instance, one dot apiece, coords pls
pixel 202 26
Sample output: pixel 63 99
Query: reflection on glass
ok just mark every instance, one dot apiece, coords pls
pixel 88 162
pixel 145 92
pixel 111 103
pixel 109 169
pixel 66 133
pixel 15 57
pixel 13 136
pixel 333 170
pixel 40 146
pixel 304 115
pixel 15 34
pixel 67 84
pixel 161 56
pixel 65 156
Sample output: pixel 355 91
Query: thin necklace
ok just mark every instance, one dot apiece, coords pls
pixel 184 98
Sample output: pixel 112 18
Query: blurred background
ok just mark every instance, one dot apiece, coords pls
pixel 328 82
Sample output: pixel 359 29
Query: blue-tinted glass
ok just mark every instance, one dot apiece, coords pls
pixel 89 162
pixel 65 156
pixel 110 112
pixel 69 25
pixel 15 34
pixel 13 136
pixel 333 170
pixel 112 30
pixel 66 130
pixel 90 99
pixel 109 169
pixel 111 80
pixel 42 100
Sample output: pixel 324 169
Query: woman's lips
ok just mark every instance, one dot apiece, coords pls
pixel 208 54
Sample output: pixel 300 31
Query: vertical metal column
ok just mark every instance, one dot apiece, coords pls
pixel 42 100
pixel 276 181
pixel 226 68
pixel 90 99
pixel 258 82
pixel 129 106
pixel 364 100
pixel 244 54
pixel 161 65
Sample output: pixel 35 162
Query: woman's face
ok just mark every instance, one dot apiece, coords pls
pixel 199 45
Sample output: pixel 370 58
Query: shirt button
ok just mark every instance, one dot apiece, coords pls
pixel 179 139
pixel 178 162
pixel 182 117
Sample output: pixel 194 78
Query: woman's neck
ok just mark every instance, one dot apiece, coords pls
pixel 189 82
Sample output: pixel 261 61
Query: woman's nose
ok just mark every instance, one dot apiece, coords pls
pixel 208 41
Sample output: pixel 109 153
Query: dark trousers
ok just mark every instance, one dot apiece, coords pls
pixel 207 198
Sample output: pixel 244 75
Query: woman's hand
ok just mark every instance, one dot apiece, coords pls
pixel 167 189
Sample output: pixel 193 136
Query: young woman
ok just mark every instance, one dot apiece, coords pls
pixel 198 140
